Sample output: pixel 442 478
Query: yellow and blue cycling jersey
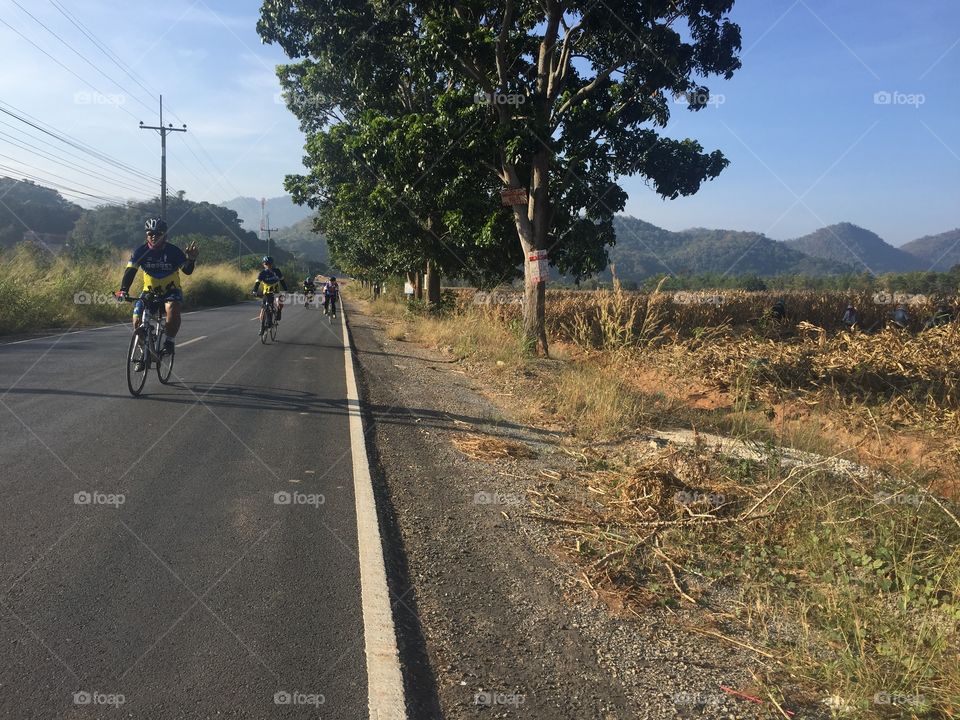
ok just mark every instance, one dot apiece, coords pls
pixel 269 281
pixel 161 267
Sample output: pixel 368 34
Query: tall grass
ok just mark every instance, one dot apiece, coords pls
pixel 39 291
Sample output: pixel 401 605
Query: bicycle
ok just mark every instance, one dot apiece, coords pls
pixel 267 323
pixel 146 345
pixel 330 309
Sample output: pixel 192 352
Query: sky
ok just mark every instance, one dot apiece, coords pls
pixel 843 111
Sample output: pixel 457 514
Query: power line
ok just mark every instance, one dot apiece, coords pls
pixel 138 177
pixel 50 184
pixel 88 84
pixel 109 54
pixel 78 144
pixel 46 154
pixel 78 53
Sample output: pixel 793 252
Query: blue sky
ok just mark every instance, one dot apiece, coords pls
pixel 808 141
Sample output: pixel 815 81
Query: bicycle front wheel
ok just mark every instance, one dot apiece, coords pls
pixel 165 363
pixel 273 331
pixel 138 363
pixel 263 327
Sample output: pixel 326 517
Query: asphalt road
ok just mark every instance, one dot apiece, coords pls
pixel 147 568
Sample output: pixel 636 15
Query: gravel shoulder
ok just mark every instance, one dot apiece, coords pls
pixel 493 620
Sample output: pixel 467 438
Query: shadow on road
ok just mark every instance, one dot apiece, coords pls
pixel 263 398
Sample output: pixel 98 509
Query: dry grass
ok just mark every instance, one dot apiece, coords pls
pixel 40 291
pixel 486 448
pixel 841 588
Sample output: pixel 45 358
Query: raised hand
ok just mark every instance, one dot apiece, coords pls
pixel 192 250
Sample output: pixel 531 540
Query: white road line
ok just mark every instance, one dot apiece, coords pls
pixel 385 699
pixel 125 323
pixel 196 339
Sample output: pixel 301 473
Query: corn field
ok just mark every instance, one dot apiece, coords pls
pixel 912 373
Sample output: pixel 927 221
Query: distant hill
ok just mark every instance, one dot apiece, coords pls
pixel 35 210
pixel 643 250
pixel 856 247
pixel 282 211
pixel 936 252
pixel 301 240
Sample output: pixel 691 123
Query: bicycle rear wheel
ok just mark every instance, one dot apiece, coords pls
pixel 164 362
pixel 138 364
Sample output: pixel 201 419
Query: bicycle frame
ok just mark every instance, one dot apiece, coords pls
pixel 153 321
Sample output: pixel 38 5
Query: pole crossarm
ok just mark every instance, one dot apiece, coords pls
pixel 164 131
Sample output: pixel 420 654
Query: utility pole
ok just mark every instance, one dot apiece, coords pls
pixel 265 223
pixel 163 155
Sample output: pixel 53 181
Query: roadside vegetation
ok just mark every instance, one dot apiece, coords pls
pixel 39 290
pixel 841 579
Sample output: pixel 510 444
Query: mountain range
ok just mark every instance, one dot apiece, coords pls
pixel 643 250
pixel 281 210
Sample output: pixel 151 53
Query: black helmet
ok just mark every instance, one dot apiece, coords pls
pixel 267 260
pixel 332 279
pixel 155 225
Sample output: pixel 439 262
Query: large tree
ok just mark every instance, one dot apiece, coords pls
pixel 571 95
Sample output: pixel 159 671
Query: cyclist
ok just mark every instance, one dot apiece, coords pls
pixel 161 263
pixel 268 282
pixel 309 289
pixel 331 291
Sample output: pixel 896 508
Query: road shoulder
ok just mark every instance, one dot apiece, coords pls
pixel 490 616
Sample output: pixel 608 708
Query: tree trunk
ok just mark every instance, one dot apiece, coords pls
pixel 418 285
pixel 433 284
